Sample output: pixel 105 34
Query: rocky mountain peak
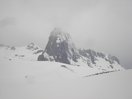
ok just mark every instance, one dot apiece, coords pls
pixel 61 47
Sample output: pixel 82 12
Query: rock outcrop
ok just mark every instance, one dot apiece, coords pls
pixel 60 48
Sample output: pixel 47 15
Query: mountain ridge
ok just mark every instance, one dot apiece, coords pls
pixel 61 48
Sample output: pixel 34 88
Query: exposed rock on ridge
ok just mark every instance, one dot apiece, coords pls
pixel 60 48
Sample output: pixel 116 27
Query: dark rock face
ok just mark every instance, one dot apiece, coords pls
pixel 93 55
pixel 42 58
pixel 89 54
pixel 61 47
pixel 111 59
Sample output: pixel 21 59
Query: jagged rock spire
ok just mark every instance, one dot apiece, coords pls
pixel 61 47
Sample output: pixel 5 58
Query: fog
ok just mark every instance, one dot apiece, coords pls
pixel 102 25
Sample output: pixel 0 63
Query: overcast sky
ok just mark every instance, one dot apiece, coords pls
pixel 102 25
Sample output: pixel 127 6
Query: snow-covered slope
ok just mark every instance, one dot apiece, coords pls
pixel 81 67
pixel 29 52
pixel 51 80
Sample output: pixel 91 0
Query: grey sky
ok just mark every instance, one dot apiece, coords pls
pixel 103 25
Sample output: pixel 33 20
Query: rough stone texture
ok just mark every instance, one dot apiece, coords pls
pixel 93 55
pixel 60 48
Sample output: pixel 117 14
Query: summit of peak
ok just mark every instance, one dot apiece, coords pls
pixel 58 31
pixel 61 47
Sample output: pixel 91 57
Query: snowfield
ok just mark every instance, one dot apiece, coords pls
pixel 52 80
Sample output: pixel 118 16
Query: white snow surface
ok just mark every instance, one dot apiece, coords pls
pixel 21 53
pixel 25 54
pixel 50 80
